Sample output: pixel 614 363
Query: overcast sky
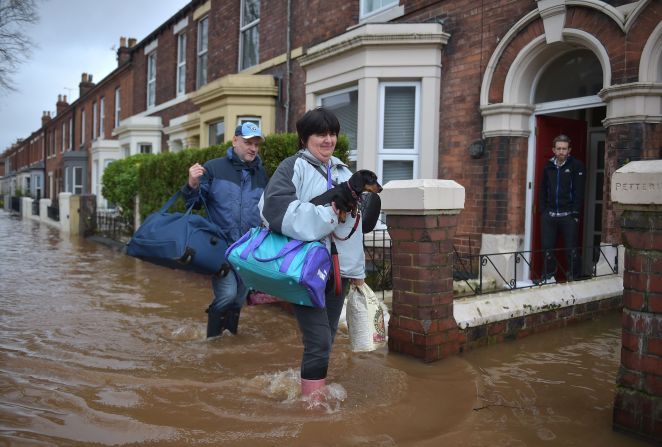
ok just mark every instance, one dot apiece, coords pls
pixel 73 37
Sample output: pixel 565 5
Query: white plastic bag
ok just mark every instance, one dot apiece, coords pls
pixel 365 319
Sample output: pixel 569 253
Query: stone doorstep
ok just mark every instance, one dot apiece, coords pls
pixel 483 309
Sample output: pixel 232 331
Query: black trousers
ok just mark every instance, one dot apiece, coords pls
pixel 551 228
pixel 318 329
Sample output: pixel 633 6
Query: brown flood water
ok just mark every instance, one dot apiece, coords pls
pixel 97 348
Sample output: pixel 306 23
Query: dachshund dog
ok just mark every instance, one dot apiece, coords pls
pixel 347 194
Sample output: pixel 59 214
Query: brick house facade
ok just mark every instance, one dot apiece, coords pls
pixel 425 89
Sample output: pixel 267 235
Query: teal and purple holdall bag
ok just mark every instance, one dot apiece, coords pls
pixel 292 270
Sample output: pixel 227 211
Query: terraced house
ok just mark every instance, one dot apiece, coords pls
pixel 463 90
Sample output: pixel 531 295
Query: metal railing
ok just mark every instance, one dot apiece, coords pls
pixel 113 226
pixel 53 213
pixel 495 272
pixel 16 204
pixel 377 248
pixel 35 207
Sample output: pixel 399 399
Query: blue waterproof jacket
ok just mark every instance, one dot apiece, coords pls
pixel 231 190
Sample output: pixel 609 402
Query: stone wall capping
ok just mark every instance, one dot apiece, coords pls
pixel 422 196
pixel 638 183
pixel 502 306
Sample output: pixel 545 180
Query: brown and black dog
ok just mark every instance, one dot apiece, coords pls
pixel 346 195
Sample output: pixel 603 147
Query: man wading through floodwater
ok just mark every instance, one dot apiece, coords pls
pixel 231 187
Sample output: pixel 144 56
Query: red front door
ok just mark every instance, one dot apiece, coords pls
pixel 548 128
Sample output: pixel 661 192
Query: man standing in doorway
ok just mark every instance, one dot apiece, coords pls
pixel 561 199
pixel 231 188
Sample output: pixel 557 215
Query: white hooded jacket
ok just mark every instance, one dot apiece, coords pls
pixel 285 208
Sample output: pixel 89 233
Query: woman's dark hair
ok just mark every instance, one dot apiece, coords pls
pixel 319 120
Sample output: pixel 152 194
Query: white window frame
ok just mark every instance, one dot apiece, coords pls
pixel 94 120
pixel 202 53
pixel 82 127
pixel 77 188
pixel 225 131
pixel 67 184
pixel 71 134
pixel 151 79
pixel 64 139
pixel 244 28
pixel 180 82
pixel 102 116
pixel 249 119
pixel 145 145
pixel 95 177
pixel 383 158
pixel 404 154
pixel 118 106
pixel 363 13
pixel 353 153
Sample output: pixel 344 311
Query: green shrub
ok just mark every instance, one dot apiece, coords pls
pixel 277 147
pixel 120 182
pixel 156 177
pixel 164 174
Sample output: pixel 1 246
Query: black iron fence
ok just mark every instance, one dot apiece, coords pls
pixel 377 247
pixel 53 212
pixel 113 226
pixel 495 272
pixel 35 207
pixel 16 204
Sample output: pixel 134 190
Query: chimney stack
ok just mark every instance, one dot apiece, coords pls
pixel 61 104
pixel 45 118
pixel 85 85
pixel 132 42
pixel 123 52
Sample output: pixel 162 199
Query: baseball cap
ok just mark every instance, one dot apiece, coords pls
pixel 248 130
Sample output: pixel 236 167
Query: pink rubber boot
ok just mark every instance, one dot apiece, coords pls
pixel 311 389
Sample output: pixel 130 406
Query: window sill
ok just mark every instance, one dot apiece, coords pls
pixel 384 16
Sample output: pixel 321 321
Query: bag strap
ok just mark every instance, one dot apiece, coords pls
pixel 189 210
pixel 319 169
pixel 293 244
pixel 253 244
pixel 170 201
pixel 290 248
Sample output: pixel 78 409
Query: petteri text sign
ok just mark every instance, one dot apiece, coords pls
pixel 638 183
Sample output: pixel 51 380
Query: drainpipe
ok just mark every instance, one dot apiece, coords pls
pixel 287 65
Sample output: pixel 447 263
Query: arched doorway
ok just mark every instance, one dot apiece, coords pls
pixel 565 100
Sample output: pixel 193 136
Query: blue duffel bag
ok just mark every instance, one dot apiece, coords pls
pixel 290 269
pixel 183 241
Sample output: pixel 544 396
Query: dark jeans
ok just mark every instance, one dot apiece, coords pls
pixel 551 227
pixel 318 328
pixel 229 294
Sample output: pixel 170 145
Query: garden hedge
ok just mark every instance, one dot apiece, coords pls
pixel 156 177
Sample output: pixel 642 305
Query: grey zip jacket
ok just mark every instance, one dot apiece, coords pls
pixel 285 208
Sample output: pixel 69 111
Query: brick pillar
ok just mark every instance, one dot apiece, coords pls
pixel 636 190
pixel 421 216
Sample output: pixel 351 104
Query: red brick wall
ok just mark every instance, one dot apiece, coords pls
pixel 495 182
pixel 638 402
pixel 636 39
pixel 422 323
